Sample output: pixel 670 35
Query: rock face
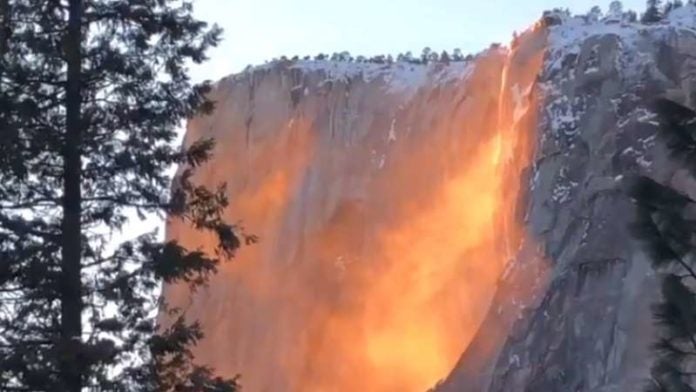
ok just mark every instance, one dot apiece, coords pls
pixel 591 328
pixel 410 213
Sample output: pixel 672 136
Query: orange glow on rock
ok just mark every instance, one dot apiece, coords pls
pixel 373 273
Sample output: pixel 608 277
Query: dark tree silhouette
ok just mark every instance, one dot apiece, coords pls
pixel 91 94
pixel 653 12
pixel 426 55
pixel 672 5
pixel 445 57
pixel 666 223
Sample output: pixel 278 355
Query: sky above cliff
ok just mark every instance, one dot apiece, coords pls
pixel 259 30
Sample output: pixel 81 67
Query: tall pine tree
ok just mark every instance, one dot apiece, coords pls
pixel 666 223
pixel 91 94
pixel 653 12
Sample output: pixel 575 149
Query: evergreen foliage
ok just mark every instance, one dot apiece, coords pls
pixel 445 57
pixel 616 9
pixel 428 56
pixel 672 5
pixel 666 224
pixel 653 12
pixel 91 94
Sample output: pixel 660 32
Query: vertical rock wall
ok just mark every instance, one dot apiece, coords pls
pixel 409 213
pixel 592 327
pixel 385 198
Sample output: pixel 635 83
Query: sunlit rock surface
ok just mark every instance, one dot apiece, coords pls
pixel 591 329
pixel 458 221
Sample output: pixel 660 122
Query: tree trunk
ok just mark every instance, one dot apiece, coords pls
pixel 71 371
pixel 5 29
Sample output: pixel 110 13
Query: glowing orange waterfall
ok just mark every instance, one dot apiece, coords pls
pixel 385 217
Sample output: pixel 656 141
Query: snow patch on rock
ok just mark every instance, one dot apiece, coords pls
pixel 398 77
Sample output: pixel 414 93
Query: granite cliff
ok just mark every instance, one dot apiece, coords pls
pixel 462 222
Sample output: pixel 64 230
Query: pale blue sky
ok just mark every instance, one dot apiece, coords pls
pixel 258 30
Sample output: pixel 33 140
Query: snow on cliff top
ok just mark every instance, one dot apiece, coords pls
pixel 399 77
pixel 634 55
pixel 568 33
pixel 684 17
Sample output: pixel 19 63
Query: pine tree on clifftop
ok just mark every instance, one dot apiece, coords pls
pixel 91 92
pixel 653 12
pixel 666 223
